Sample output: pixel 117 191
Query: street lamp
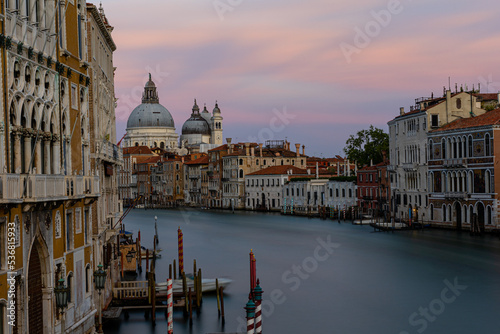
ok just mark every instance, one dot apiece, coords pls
pixel 61 294
pixel 130 256
pixel 100 280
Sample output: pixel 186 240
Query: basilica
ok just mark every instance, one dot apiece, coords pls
pixel 151 124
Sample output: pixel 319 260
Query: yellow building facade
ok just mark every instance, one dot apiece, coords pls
pixel 47 183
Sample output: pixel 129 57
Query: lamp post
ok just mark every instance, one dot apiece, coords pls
pixel 99 281
pixel 61 294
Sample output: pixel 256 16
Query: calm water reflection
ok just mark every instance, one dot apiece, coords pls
pixel 324 277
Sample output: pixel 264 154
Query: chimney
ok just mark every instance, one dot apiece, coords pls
pixel 260 148
pixel 303 149
pixel 247 149
pixel 297 148
pixel 498 98
pixel 229 146
pixel 317 170
pixel 401 110
pixel 308 171
pixel 384 155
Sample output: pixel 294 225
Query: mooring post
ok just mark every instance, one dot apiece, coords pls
pixel 185 291
pixel 170 271
pixel 250 308
pixel 147 260
pixel 221 291
pixel 175 270
pixel 217 294
pixel 200 286
pixel 258 311
pixel 190 305
pixel 180 250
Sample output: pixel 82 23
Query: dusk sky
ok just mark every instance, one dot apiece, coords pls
pixel 313 72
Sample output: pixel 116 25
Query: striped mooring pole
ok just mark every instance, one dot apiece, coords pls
pixel 181 251
pixel 170 307
pixel 258 309
pixel 253 271
pixel 250 308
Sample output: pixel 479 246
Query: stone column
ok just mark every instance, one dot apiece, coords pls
pixel 27 151
pixel 17 152
pixel 38 155
pixel 46 162
pixel 56 155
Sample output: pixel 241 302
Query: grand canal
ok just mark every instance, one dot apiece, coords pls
pixel 324 277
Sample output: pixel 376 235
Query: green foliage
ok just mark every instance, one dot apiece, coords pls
pixel 367 145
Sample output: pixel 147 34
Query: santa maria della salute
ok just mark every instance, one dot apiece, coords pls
pixel 151 124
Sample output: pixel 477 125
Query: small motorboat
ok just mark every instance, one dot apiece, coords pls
pixel 143 253
pixel 207 284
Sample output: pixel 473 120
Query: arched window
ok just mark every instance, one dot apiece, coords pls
pixel 331 192
pixel 443 149
pixel 444 212
pixel 465 214
pixel 241 162
pixel 257 162
pixel 431 154
pixel 469 142
pixel 432 211
pixel 459 103
pixel 487 145
pixel 88 278
pixel 488 215
pixel 241 173
pixel 69 284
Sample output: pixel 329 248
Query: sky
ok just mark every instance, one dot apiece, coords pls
pixel 312 72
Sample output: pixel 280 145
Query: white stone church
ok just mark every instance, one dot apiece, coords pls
pixel 151 124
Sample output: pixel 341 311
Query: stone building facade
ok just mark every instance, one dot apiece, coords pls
pixel 408 149
pixel 462 170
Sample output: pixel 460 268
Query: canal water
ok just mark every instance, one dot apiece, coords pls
pixel 320 276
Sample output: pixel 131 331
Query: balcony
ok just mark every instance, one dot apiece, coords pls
pixel 391 168
pixel 410 166
pixel 109 152
pixel 456 195
pixel 17 188
pixel 455 163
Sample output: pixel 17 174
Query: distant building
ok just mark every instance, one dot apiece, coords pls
pixel 462 168
pixel 409 148
pixel 374 189
pixel 202 131
pixel 150 123
pixel 306 195
pixel 242 159
pixel 264 188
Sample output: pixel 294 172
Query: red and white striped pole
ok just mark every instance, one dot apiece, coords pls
pixel 258 309
pixel 170 307
pixel 181 251
pixel 253 271
pixel 250 307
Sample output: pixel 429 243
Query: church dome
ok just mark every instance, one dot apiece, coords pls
pixel 196 124
pixel 150 113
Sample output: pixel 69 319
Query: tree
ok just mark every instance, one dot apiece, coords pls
pixel 367 146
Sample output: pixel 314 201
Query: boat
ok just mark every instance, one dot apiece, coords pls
pixel 207 284
pixel 143 253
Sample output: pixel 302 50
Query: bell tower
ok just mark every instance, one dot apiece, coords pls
pixel 216 126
